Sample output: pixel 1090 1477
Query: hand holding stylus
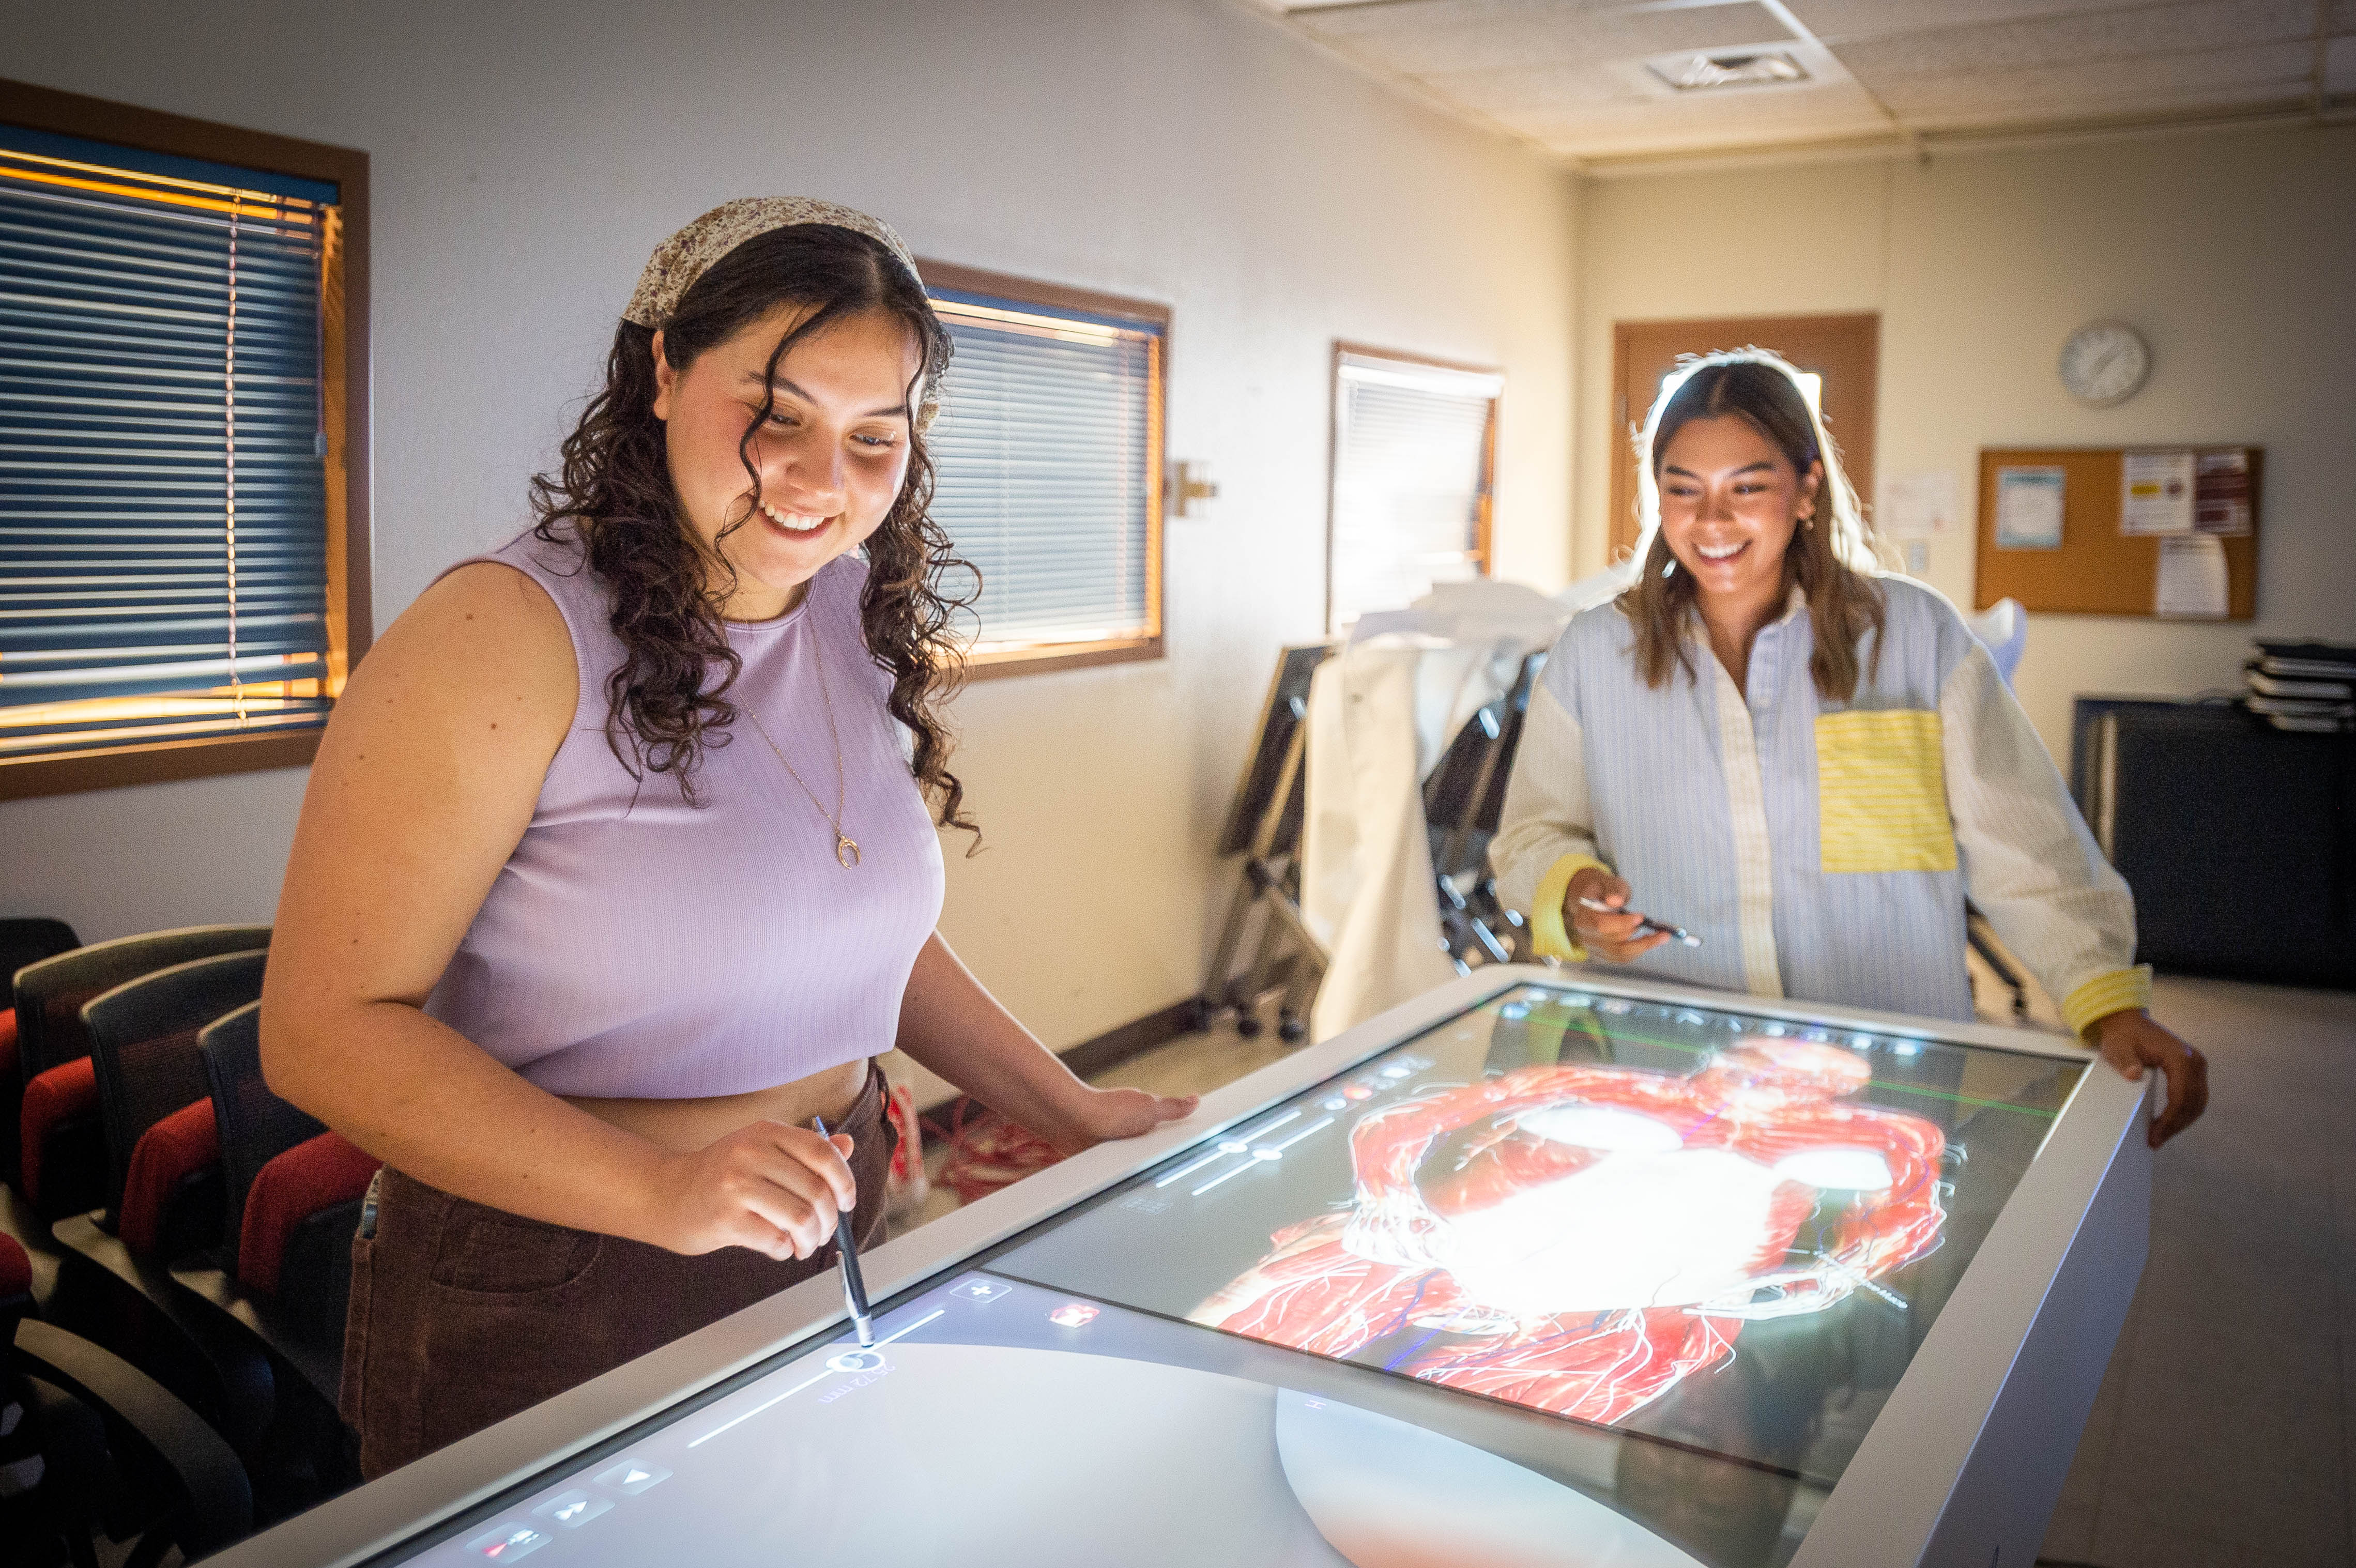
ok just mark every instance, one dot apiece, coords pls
pixel 1595 907
pixel 772 1186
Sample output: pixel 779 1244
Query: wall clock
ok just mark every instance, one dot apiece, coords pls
pixel 2104 363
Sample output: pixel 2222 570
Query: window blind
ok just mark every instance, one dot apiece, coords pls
pixel 1410 472
pixel 1047 468
pixel 163 509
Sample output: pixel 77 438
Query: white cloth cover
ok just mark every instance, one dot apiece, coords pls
pixel 1381 717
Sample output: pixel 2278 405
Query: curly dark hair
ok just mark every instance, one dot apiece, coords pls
pixel 667 700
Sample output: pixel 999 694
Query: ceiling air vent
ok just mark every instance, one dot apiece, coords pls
pixel 1750 67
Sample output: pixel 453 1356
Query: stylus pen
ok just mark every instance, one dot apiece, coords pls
pixel 854 1289
pixel 1645 924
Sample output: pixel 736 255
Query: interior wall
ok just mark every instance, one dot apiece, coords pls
pixel 526 158
pixel 2229 251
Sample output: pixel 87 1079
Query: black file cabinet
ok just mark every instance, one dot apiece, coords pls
pixel 2239 840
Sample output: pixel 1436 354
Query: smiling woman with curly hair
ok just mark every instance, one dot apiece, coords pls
pixel 619 862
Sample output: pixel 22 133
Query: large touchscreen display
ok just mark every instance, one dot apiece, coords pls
pixel 1569 1279
pixel 1721 1228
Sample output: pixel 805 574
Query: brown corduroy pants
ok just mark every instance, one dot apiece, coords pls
pixel 462 1315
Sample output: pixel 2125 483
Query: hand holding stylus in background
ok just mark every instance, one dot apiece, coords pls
pixel 1595 908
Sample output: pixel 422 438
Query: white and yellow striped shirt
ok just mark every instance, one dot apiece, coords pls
pixel 1820 850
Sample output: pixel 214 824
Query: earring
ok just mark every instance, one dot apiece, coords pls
pixel 1809 522
pixel 1668 569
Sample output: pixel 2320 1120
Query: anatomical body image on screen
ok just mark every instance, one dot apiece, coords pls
pixel 1728 1231
pixel 1598 1233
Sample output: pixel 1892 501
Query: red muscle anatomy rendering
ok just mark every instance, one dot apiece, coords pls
pixel 1603 1231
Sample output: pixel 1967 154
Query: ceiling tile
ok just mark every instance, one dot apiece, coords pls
pixel 2156 83
pixel 1434 36
pixel 1832 20
pixel 2210 24
pixel 1837 109
pixel 1541 87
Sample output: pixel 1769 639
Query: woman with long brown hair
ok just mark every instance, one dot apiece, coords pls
pixel 619 862
pixel 1804 763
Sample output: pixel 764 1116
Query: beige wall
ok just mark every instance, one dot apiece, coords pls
pixel 2233 252
pixel 527 157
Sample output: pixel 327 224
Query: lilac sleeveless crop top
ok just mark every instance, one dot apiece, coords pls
pixel 635 946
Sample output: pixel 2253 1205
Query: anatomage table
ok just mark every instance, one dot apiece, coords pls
pixel 1543 1268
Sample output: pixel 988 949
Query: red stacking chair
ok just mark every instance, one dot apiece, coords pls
pixel 292 1191
pixel 15 1281
pixel 63 1159
pixel 22 941
pixel 162 1195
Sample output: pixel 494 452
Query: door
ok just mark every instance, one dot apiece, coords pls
pixel 1845 351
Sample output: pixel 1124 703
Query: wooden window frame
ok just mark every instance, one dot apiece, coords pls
pixel 1483 552
pixel 345 369
pixel 1000 663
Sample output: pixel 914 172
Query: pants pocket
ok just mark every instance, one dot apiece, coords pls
pixel 1882 791
pixel 488 1253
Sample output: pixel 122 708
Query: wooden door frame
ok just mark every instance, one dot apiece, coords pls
pixel 1855 437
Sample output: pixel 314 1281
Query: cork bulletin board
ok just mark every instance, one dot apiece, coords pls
pixel 2098 569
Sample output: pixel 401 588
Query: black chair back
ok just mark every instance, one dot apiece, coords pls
pixel 256 1126
pixel 1465 794
pixel 28 941
pixel 143 1037
pixel 51 994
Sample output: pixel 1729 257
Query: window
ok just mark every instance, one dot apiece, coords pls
pixel 1048 462
pixel 1414 447
pixel 182 550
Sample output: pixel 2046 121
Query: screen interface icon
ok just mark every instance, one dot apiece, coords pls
pixel 508 1541
pixel 632 1476
pixel 573 1509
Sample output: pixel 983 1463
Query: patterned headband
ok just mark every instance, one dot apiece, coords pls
pixel 686 255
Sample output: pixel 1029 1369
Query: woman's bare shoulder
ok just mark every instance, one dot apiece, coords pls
pixel 484 651
pixel 487 624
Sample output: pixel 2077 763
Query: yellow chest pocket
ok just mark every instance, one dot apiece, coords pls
pixel 1882 791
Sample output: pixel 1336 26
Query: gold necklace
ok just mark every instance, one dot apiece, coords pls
pixel 846 848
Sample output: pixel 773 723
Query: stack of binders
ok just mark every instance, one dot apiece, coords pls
pixel 2304 686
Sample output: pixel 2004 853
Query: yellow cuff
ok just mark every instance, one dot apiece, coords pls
pixel 2104 995
pixel 1548 933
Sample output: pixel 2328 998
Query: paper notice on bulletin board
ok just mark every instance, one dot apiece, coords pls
pixel 2221 494
pixel 1917 505
pixel 2156 493
pixel 2029 507
pixel 2191 581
